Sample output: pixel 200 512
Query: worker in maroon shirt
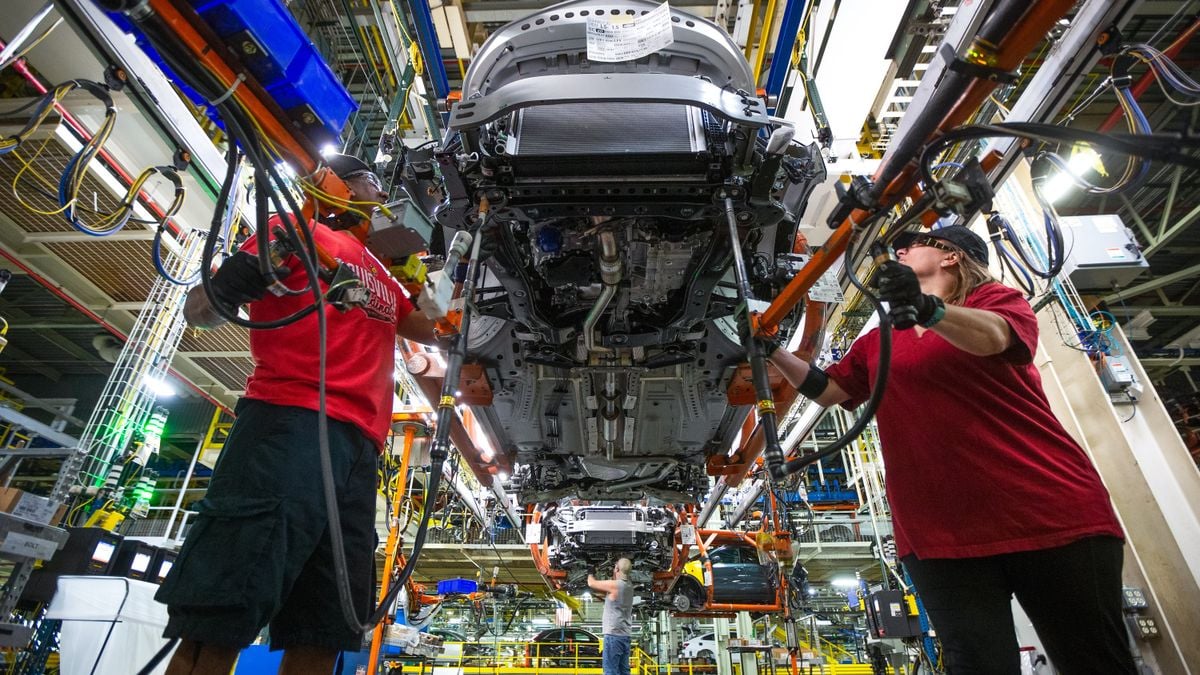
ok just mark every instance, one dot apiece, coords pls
pixel 990 496
pixel 259 552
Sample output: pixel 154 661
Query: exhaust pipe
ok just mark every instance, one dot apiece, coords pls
pixel 610 274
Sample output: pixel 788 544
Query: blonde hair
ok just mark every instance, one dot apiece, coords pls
pixel 969 274
pixel 624 566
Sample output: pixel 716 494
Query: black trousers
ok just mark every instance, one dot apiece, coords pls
pixel 1072 594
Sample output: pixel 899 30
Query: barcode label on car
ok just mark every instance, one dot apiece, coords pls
pixel 625 38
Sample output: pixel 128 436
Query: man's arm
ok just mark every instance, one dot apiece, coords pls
pixel 609 588
pixel 198 310
pixel 796 369
pixel 975 331
pixel 418 328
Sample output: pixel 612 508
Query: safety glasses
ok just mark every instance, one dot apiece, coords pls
pixel 922 240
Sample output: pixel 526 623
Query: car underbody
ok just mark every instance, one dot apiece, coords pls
pixel 605 316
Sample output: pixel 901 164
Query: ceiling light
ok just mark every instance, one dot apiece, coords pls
pixel 844 582
pixel 158 386
pixel 1083 160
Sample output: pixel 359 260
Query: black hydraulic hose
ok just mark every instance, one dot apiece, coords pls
pixel 158 657
pixel 952 86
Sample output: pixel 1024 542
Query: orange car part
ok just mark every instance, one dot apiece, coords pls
pixel 428 375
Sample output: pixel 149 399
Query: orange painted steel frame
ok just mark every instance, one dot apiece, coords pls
pixel 1025 33
pixel 393 542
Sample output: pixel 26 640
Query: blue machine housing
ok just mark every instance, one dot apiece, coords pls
pixel 279 55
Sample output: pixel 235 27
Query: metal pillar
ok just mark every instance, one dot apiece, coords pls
pixel 721 633
pixel 745 630
pixel 431 51
pixel 781 60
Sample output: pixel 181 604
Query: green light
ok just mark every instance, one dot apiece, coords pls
pixel 154 428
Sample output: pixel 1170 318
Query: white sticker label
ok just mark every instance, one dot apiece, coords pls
pixel 826 289
pixel 687 535
pixel 894 608
pixel 26 546
pixel 1117 253
pixel 35 508
pixel 1106 225
pixel 626 38
pixel 533 533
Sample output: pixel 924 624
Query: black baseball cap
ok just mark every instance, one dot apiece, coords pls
pixel 347 166
pixel 960 236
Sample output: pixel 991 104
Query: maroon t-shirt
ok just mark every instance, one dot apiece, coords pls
pixel 977 463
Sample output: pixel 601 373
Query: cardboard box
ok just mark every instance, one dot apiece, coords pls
pixel 9 498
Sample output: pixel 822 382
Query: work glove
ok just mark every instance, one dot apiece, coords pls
pixel 239 281
pixel 899 287
pixel 768 345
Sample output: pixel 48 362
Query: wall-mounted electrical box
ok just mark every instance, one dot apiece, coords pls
pixel 1102 253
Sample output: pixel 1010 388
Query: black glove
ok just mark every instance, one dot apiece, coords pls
pixel 238 281
pixel 768 345
pixel 899 287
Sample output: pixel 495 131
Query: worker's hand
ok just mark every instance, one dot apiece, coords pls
pixel 239 281
pixel 768 345
pixel 899 287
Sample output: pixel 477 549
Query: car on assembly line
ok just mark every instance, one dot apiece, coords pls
pixel 739 577
pixel 604 333
pixel 701 648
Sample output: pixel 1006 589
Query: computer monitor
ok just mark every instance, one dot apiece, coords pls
pixel 87 551
pixel 133 559
pixel 161 564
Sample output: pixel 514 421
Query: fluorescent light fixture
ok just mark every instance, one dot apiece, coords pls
pixel 158 386
pixel 844 582
pixel 541 622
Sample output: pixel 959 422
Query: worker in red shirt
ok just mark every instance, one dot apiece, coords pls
pixel 259 552
pixel 990 496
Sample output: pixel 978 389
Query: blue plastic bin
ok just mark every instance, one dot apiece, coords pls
pixel 457 587
pixel 313 97
pixel 270 25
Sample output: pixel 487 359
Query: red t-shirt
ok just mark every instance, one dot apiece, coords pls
pixel 360 343
pixel 977 463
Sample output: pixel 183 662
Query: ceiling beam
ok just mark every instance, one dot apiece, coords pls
pixel 12 312
pixel 1168 362
pixel 1155 310
pixel 1158 282
pixel 24 360
pixel 73 236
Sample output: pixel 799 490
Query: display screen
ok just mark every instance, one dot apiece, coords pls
pixel 164 569
pixel 141 562
pixel 104 552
